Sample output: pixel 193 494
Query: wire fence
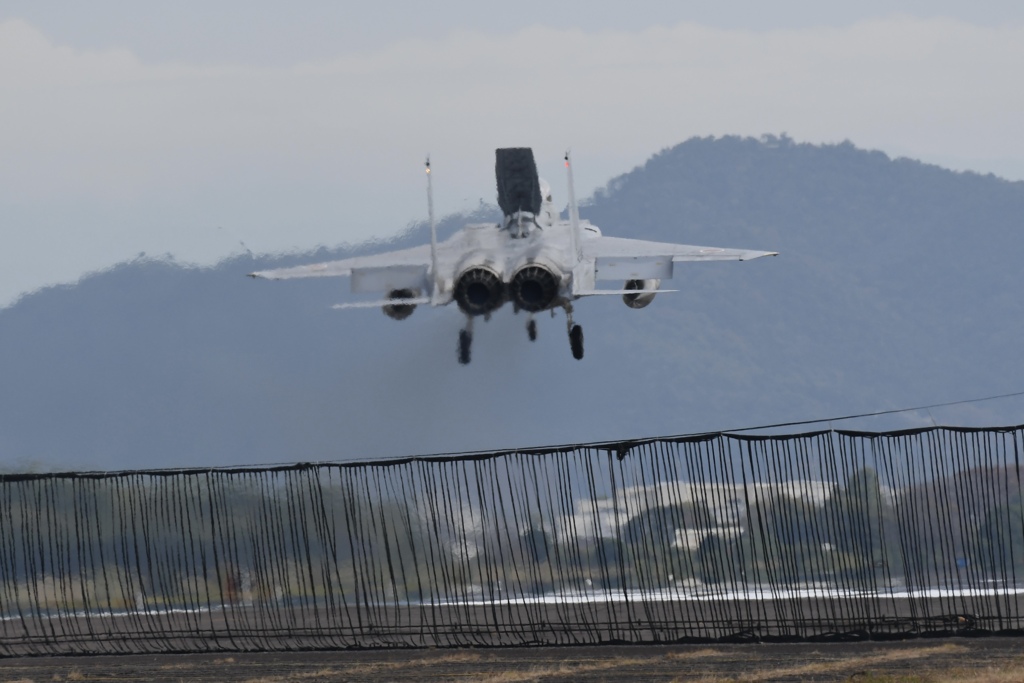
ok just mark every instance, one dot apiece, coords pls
pixel 820 535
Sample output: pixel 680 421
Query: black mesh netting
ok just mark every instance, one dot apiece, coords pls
pixel 821 535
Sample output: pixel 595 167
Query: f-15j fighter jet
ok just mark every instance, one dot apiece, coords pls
pixel 533 260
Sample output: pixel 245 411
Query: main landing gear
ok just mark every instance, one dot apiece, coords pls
pixel 465 341
pixel 576 341
pixel 575 334
pixel 575 331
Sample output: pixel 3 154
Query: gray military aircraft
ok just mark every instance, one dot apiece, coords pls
pixel 532 258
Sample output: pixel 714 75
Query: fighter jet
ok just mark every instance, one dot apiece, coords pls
pixel 533 259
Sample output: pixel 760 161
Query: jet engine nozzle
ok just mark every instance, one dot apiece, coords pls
pixel 400 311
pixel 479 291
pixel 645 291
pixel 534 288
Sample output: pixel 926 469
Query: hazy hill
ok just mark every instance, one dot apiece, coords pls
pixel 898 285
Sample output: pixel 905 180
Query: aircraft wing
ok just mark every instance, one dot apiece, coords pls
pixel 617 258
pixel 401 261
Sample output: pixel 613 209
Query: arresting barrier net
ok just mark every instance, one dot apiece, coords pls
pixel 828 534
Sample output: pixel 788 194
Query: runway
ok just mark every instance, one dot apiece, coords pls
pixel 566 620
pixel 936 661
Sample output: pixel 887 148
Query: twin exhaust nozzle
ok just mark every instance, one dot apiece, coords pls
pixel 479 290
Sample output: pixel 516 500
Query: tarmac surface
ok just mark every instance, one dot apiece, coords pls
pixel 924 660
pixel 265 627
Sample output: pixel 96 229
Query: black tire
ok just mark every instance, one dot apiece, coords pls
pixel 576 342
pixel 531 330
pixel 465 341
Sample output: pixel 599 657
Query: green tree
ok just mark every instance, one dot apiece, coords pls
pixel 864 529
pixel 999 548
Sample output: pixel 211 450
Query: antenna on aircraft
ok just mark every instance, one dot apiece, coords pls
pixel 433 231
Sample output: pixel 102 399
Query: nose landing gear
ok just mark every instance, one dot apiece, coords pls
pixel 531 329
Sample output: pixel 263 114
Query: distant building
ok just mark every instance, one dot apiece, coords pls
pixel 690 539
pixel 725 506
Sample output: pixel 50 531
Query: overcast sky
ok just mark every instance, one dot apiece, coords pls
pixel 185 127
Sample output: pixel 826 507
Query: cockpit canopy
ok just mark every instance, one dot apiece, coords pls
pixel 518 184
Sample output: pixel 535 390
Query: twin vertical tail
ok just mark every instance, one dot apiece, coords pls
pixel 434 279
pixel 576 239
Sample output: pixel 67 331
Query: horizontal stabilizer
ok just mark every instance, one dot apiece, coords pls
pixel 385 302
pixel 616 257
pixel 386 279
pixel 633 267
pixel 600 292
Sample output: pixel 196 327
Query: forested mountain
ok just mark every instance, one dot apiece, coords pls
pixel 897 285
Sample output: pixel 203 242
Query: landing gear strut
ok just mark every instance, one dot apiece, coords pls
pixel 465 342
pixel 575 334
pixel 531 329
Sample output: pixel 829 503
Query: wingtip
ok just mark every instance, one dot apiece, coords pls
pixel 767 253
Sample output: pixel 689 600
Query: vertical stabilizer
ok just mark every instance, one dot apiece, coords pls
pixel 574 212
pixel 434 275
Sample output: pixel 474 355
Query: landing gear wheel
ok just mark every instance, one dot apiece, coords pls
pixel 465 341
pixel 531 329
pixel 576 342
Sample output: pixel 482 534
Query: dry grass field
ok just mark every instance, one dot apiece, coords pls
pixel 983 660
